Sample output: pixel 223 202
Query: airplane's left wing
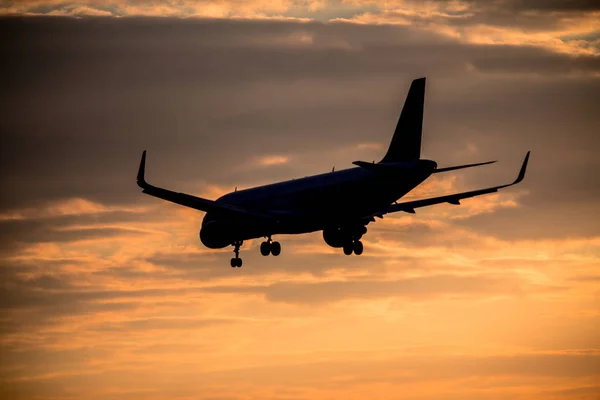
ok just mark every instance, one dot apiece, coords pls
pixel 409 206
pixel 197 203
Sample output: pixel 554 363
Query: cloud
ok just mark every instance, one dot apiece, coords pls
pixel 150 324
pixel 553 5
pixel 67 207
pixel 421 288
pixel 78 11
pixel 183 9
pixel 267 161
pixel 565 27
pixel 108 293
pixel 50 224
pixel 296 113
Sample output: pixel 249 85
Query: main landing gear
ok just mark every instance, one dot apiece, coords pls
pixel 236 261
pixel 270 247
pixel 354 246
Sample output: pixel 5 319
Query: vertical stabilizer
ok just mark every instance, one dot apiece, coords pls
pixel 406 142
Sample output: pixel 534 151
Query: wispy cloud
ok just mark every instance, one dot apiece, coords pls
pixel 267 161
pixel 572 30
pixel 108 293
pixel 68 207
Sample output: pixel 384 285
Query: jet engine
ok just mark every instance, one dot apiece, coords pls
pixel 215 235
pixel 338 236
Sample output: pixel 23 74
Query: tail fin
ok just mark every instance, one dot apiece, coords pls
pixel 406 143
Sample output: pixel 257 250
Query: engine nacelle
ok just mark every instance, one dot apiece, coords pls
pixel 215 235
pixel 336 237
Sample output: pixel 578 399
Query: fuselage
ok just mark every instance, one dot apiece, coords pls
pixel 314 203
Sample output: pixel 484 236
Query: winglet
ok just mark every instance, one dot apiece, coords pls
pixel 523 169
pixel 140 175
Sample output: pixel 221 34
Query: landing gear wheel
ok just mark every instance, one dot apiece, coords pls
pixel 234 262
pixel 265 248
pixel 348 249
pixel 358 248
pixel 275 248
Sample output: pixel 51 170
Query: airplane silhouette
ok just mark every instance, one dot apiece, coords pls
pixel 339 203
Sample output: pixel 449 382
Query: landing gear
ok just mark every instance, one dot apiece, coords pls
pixel 354 246
pixel 358 247
pixel 348 247
pixel 265 248
pixel 275 248
pixel 270 247
pixel 236 261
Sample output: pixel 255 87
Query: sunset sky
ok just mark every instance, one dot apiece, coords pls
pixel 107 293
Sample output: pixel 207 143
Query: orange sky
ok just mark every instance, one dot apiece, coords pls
pixel 108 294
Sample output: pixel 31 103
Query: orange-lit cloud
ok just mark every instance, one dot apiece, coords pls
pixel 70 207
pixel 267 161
pixel 108 293
pixel 567 29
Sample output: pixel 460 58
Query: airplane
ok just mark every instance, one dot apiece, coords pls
pixel 339 203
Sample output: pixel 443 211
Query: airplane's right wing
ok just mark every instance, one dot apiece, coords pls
pixel 409 206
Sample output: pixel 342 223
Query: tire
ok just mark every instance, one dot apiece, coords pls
pixel 358 248
pixel 275 248
pixel 348 249
pixel 265 248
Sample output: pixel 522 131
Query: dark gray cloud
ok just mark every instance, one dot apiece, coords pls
pixel 18 233
pixel 207 97
pixel 522 11
pixel 533 60
pixel 551 5
pixel 51 294
pixel 512 17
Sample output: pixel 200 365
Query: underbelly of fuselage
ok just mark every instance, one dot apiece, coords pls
pixel 309 210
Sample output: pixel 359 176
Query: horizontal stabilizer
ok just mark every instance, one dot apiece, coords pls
pixel 367 165
pixel 435 171
pixel 383 168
